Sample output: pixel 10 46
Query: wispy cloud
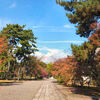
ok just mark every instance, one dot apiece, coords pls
pixel 51 55
pixel 68 26
pixel 13 5
pixel 76 42
pixel 64 28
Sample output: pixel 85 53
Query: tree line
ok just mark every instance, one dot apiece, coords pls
pixel 83 67
pixel 17 48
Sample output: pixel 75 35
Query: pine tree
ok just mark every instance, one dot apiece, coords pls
pixel 21 41
pixel 82 13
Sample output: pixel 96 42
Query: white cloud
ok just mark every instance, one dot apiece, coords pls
pixel 51 55
pixel 39 54
pixel 13 5
pixel 76 42
pixel 68 26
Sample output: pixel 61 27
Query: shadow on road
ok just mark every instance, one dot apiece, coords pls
pixel 92 92
pixel 10 83
pixel 89 91
pixel 95 98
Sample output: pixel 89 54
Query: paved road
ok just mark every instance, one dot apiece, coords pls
pixel 30 90
pixel 38 90
pixel 20 91
pixel 48 91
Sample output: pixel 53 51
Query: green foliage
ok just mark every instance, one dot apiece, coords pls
pixel 49 68
pixel 60 80
pixel 20 44
pixel 21 41
pixel 44 65
pixel 85 14
pixel 81 52
pixel 87 63
pixel 82 13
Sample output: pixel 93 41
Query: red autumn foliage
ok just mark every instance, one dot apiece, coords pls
pixel 40 71
pixel 44 73
pixel 95 37
pixel 65 70
pixel 3 44
pixel 95 40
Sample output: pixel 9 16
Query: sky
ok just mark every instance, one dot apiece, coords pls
pixel 49 24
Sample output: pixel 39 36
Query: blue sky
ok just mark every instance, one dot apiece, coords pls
pixel 48 22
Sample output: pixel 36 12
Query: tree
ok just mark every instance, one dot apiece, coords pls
pixel 49 68
pixel 84 54
pixel 31 65
pixel 21 41
pixel 95 41
pixel 20 44
pixel 44 65
pixel 3 50
pixel 95 37
pixel 3 43
pixel 3 53
pixel 35 67
pixel 64 70
pixel 82 13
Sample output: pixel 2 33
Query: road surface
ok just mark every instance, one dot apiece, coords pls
pixel 30 90
pixel 38 90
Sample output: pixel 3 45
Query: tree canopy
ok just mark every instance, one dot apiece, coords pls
pixel 21 41
pixel 16 46
pixel 82 13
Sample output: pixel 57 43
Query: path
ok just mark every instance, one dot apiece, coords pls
pixel 48 91
pixel 38 90
pixel 30 90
